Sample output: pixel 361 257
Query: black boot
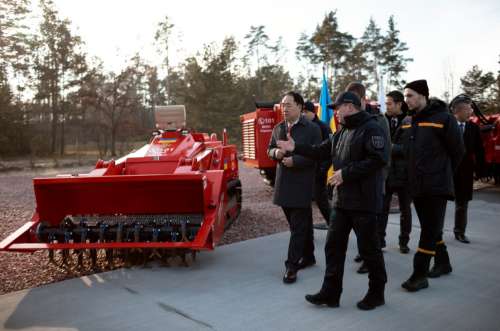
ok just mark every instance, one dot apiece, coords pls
pixel 442 265
pixel 403 245
pixel 323 298
pixel 372 299
pixel 363 268
pixel 413 284
pixel 418 280
pixel 404 249
pixel 439 269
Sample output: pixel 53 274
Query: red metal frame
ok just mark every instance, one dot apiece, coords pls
pixel 491 139
pixel 264 120
pixel 178 172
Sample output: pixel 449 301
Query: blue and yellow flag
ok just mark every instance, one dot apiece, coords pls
pixel 325 114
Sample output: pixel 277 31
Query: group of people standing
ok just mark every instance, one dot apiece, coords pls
pixel 415 150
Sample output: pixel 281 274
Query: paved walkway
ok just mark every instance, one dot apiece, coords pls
pixel 238 287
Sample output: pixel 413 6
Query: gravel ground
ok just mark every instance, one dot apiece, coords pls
pixel 18 271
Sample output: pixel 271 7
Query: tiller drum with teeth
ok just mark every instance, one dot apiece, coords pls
pixel 168 200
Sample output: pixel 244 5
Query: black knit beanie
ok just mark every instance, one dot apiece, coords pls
pixel 419 86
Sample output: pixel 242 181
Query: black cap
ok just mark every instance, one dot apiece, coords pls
pixel 345 97
pixel 419 86
pixel 461 98
pixel 309 106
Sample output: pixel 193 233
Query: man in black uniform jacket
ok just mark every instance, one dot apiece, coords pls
pixel 358 152
pixel 397 180
pixel 320 190
pixel 359 89
pixel 473 161
pixel 293 188
pixel 435 148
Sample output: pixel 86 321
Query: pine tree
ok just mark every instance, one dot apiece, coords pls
pixel 58 62
pixel 14 39
pixel 392 60
pixel 327 46
pixel 479 86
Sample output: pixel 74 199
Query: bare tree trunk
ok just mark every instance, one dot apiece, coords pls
pixel 113 140
pixel 106 146
pixel 61 147
pixel 54 124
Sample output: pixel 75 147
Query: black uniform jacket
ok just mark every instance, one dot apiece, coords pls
pixel 473 161
pixel 360 149
pixel 435 148
pixel 293 187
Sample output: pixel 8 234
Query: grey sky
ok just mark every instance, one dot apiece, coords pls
pixel 443 36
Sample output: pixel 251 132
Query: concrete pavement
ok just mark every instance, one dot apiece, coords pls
pixel 239 287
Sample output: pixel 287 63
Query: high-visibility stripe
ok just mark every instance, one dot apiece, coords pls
pixel 406 126
pixel 434 125
pixel 440 242
pixel 421 250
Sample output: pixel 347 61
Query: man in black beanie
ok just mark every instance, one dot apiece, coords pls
pixel 435 147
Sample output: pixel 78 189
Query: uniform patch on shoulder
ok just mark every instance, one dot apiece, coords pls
pixel 378 142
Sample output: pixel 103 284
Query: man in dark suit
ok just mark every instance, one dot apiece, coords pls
pixel 397 181
pixel 293 188
pixel 473 161
pixel 320 187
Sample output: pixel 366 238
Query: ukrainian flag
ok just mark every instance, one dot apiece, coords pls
pixel 325 114
pixel 167 141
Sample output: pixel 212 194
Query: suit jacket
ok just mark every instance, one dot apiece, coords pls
pixel 473 161
pixel 293 187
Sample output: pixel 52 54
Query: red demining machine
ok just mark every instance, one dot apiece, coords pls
pixel 172 197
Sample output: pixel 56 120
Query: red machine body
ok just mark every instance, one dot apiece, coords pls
pixel 179 191
pixel 490 134
pixel 257 128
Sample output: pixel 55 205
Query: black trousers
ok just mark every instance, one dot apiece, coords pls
pixel 301 243
pixel 404 217
pixel 460 216
pixel 365 227
pixel 321 195
pixel 431 211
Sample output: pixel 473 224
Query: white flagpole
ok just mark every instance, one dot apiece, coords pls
pixel 381 95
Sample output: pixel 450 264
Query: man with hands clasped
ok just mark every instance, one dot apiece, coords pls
pixel 293 188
